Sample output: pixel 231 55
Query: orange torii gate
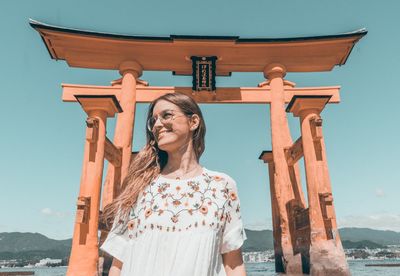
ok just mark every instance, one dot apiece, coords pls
pixel 306 238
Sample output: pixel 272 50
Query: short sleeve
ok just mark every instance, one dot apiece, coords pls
pixel 117 239
pixel 233 234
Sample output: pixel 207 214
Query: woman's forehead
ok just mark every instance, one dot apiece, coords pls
pixel 163 106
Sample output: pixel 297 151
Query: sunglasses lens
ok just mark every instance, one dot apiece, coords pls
pixel 165 118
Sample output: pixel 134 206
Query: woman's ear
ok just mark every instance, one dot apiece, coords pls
pixel 194 122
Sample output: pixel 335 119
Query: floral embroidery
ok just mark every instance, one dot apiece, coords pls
pixel 201 202
pixel 131 225
pixel 148 213
pixel 232 195
pixel 204 209
pixel 228 217
pixel 174 218
pixel 176 202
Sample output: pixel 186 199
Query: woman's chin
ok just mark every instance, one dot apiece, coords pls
pixel 164 145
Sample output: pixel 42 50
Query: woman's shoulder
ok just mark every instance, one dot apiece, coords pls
pixel 222 176
pixel 229 184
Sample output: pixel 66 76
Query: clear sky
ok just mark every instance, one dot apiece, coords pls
pixel 42 138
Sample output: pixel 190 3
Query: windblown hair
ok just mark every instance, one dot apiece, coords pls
pixel 150 160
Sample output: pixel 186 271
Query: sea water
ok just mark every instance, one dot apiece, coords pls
pixel 357 268
pixel 40 271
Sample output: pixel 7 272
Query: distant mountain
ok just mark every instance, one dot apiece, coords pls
pixel 351 238
pixel 258 240
pixel 35 255
pixel 32 247
pixel 361 245
pixel 378 236
pixel 29 246
pixel 16 242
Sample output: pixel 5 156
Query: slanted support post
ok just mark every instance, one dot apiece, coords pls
pixel 326 252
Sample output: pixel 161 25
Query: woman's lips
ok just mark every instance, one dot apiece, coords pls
pixel 161 133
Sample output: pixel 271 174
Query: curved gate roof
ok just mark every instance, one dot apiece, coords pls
pixel 88 49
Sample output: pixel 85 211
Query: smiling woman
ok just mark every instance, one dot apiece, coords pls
pixel 175 217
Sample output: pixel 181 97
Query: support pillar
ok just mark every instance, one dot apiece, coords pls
pixel 326 252
pixel 285 190
pixel 267 157
pixel 84 253
pixel 130 71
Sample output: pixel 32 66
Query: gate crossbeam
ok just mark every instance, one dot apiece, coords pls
pixel 251 95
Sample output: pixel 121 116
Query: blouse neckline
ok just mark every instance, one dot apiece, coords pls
pixel 203 170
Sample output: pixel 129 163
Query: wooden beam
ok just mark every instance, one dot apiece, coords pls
pixel 251 95
pixel 112 153
pixel 294 152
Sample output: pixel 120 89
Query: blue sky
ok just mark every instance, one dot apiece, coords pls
pixel 42 137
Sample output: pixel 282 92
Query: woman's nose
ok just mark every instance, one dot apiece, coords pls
pixel 157 123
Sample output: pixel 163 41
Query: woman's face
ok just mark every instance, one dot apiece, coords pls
pixel 177 131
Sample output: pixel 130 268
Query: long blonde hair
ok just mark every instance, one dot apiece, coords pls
pixel 150 160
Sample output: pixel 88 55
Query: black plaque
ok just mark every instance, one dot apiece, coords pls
pixel 203 73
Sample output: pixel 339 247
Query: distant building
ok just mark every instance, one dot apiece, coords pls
pixel 258 257
pixel 48 261
pixel 8 263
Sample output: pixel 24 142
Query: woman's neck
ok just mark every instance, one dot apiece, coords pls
pixel 181 162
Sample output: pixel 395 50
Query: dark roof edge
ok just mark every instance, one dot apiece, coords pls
pixel 352 47
pixel 295 97
pixel 39 25
pixel 205 37
pixel 112 97
pixel 357 33
pixel 262 153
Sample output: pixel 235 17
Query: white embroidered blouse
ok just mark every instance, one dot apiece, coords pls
pixel 179 227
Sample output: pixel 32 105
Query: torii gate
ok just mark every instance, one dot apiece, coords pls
pixel 306 238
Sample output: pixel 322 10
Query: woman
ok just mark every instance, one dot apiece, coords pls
pixel 175 217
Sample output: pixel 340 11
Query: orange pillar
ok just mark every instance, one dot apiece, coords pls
pixel 326 252
pixel 267 157
pixel 283 188
pixel 130 71
pixel 326 189
pixel 84 252
pixel 313 177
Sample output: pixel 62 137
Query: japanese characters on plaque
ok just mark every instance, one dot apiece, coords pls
pixel 203 73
